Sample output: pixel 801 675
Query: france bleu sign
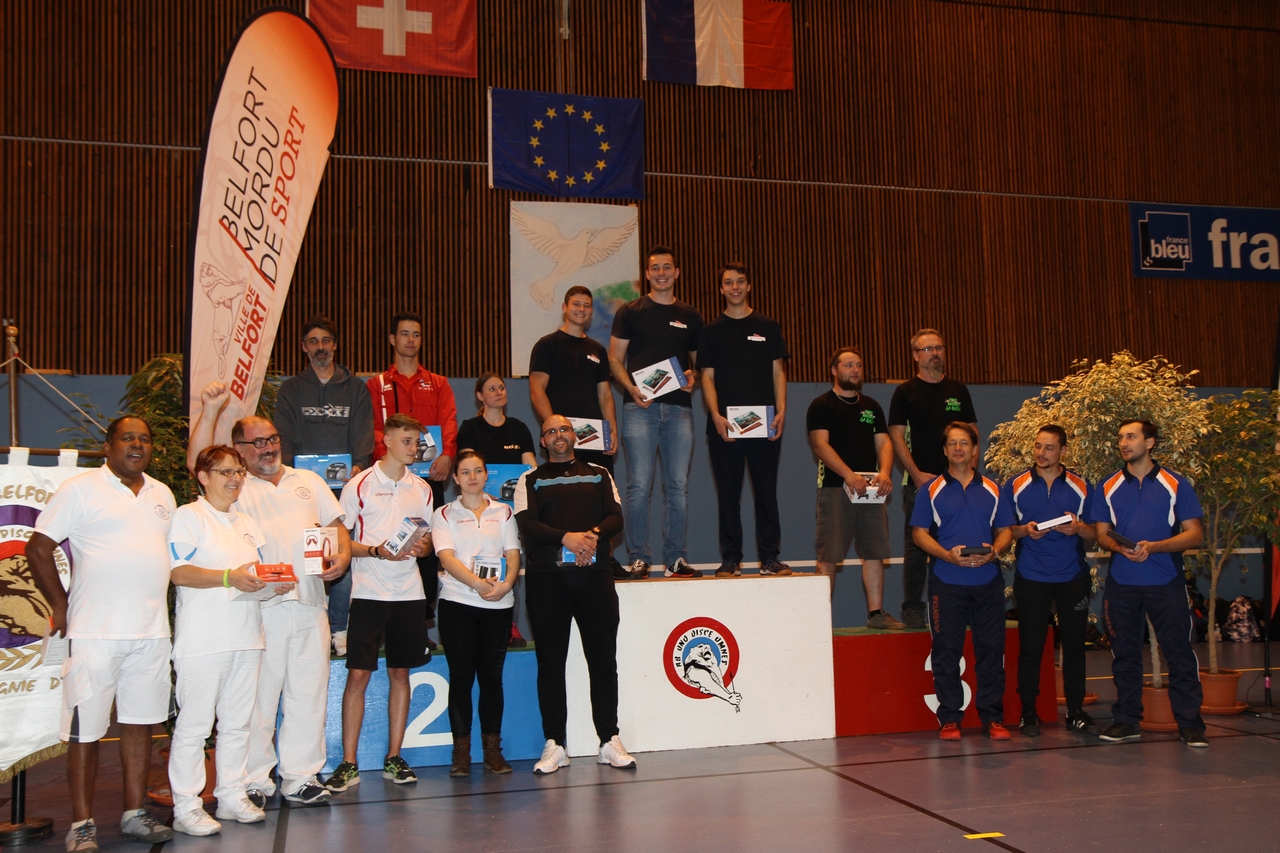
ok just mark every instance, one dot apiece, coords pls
pixel 1197 241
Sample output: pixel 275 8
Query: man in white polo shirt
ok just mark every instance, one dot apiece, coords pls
pixel 116 519
pixel 293 681
pixel 387 596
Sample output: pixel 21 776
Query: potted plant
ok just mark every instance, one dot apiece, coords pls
pixel 1239 490
pixel 1090 403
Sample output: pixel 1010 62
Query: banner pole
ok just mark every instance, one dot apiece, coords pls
pixel 11 338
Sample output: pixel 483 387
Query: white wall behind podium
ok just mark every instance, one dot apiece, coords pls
pixel 756 652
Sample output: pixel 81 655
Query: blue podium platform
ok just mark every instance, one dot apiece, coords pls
pixel 427 741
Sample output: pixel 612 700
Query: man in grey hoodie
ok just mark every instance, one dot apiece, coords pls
pixel 325 409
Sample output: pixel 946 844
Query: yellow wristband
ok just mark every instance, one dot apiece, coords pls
pixel 226 578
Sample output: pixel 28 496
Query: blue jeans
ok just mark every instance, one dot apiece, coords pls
pixel 663 430
pixel 339 602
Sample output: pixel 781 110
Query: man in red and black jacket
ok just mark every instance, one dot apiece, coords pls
pixel 408 387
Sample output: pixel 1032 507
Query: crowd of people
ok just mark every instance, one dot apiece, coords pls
pixel 248 652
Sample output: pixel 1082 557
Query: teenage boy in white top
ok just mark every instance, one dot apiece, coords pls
pixel 116 614
pixel 295 665
pixel 387 596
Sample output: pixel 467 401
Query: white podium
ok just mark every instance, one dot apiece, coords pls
pixel 714 662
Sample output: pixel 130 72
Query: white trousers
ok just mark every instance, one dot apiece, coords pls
pixel 222 687
pixel 293 681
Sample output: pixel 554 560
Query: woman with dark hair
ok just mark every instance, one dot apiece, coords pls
pixel 479 547
pixel 499 439
pixel 218 642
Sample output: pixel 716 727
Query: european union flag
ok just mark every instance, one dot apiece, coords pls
pixel 566 145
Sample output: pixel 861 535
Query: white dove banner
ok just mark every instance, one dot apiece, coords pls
pixel 558 245
pixel 264 154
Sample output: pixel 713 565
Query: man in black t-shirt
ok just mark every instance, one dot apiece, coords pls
pixel 649 330
pixel 742 358
pixel 569 375
pixel 924 404
pixel 855 457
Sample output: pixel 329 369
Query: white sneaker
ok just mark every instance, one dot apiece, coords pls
pixel 196 822
pixel 240 809
pixel 616 754
pixel 339 642
pixel 553 758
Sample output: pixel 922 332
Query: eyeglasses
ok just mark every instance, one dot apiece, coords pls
pixel 230 472
pixel 938 348
pixel 263 442
pixel 555 430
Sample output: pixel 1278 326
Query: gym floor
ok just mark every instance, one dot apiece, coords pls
pixel 903 792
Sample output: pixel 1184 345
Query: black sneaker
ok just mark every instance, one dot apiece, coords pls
pixel 1082 723
pixel 775 567
pixel 729 569
pixel 257 796
pixel 397 770
pixel 310 794
pixel 1121 732
pixel 1193 737
pixel 619 573
pixel 640 570
pixel 344 776
pixel 681 569
pixel 913 619
pixel 1029 726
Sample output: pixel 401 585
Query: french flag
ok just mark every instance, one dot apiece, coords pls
pixel 745 44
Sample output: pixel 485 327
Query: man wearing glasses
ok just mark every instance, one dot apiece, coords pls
pixel 568 512
pixel 326 410
pixel 920 410
pixel 293 681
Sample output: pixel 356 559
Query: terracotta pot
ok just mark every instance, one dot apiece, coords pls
pixel 1157 715
pixel 1089 698
pixel 1220 692
pixel 161 795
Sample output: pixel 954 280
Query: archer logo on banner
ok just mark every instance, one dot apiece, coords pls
pixel 409 36
pixel 1197 241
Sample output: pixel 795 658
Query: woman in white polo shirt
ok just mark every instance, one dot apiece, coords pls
pixel 217 645
pixel 472 535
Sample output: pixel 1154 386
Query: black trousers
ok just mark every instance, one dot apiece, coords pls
pixel 915 563
pixel 760 456
pixel 555 599
pixel 1125 610
pixel 1036 600
pixel 475 645
pixel 952 608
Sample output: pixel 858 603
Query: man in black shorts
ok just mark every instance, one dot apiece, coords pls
pixel 924 404
pixel 386 596
pixel 848 435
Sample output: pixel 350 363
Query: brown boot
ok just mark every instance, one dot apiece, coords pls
pixel 493 754
pixel 461 756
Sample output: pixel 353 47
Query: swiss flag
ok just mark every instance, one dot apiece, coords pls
pixel 409 36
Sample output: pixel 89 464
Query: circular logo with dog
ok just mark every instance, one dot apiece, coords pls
pixel 701 659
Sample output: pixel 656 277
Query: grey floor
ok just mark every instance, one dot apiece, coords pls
pixel 896 792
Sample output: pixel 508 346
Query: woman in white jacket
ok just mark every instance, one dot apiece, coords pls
pixel 218 643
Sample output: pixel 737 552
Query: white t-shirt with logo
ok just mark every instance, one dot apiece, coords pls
pixel 456 528
pixel 210 621
pixel 119 559
pixel 375 507
pixel 300 500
